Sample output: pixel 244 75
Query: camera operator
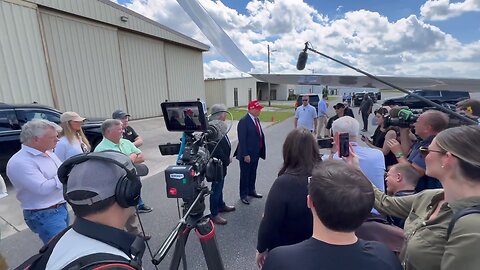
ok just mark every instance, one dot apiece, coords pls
pixel 427 126
pixel 222 152
pixel 98 228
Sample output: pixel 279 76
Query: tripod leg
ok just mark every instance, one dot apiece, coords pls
pixel 206 233
pixel 179 252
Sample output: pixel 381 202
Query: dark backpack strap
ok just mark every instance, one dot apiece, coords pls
pixel 40 260
pixel 464 212
pixel 101 261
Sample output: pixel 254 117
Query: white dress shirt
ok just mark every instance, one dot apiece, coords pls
pixel 34 176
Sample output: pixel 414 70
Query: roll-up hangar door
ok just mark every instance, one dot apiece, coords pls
pixel 145 75
pixel 85 63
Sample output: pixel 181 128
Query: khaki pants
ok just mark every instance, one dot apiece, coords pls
pixel 132 225
pixel 322 122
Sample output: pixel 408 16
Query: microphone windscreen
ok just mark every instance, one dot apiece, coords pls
pixel 302 60
pixel 218 127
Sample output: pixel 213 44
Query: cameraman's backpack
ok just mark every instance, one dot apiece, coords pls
pixel 464 212
pixel 90 262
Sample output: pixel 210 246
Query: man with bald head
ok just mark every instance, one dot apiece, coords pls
pixel 427 126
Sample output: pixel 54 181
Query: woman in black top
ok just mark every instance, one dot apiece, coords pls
pixel 287 219
pixel 380 136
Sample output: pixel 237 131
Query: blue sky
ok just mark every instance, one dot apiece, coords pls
pixel 438 38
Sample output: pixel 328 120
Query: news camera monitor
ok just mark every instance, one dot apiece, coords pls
pixel 187 116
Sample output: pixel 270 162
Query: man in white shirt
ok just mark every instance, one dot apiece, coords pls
pixel 306 116
pixel 33 173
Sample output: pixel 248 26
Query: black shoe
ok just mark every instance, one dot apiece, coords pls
pixel 255 195
pixel 219 220
pixel 227 208
pixel 245 201
pixel 144 209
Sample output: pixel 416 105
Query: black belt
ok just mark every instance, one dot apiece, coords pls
pixel 50 207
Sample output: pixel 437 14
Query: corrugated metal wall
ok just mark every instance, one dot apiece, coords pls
pixel 86 66
pixel 109 12
pixel 23 71
pixel 215 93
pixel 185 73
pixel 143 65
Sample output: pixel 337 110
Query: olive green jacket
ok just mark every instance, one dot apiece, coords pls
pixel 426 246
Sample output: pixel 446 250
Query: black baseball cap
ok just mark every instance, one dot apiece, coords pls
pixel 119 114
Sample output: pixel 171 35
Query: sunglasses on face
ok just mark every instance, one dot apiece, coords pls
pixel 304 99
pixel 424 151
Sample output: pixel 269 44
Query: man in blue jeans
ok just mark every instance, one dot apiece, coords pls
pixel 33 173
pixel 224 148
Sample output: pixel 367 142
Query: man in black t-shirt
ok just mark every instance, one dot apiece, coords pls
pixel 130 134
pixel 340 198
pixel 339 112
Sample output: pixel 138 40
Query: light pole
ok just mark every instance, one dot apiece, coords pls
pixel 269 94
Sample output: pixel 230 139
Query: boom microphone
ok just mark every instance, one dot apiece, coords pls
pixel 302 58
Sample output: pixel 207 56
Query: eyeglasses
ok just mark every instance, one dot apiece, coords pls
pixel 424 151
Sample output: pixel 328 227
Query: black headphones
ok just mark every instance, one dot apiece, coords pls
pixel 127 191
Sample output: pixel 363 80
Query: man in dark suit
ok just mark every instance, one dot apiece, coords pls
pixel 251 147
pixel 223 151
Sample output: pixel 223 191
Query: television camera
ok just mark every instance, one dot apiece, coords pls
pixel 185 179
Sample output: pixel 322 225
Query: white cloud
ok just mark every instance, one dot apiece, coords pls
pixel 439 10
pixel 362 38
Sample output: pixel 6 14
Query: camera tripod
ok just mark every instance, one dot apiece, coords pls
pixel 193 219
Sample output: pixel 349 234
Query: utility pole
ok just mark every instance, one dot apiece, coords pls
pixel 268 57
pixel 312 88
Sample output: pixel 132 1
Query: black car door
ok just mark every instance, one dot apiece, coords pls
pixel 9 137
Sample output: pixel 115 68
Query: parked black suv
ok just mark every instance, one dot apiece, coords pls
pixel 357 97
pixel 12 117
pixel 313 99
pixel 442 97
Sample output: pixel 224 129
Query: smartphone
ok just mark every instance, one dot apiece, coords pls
pixel 325 143
pixel 343 145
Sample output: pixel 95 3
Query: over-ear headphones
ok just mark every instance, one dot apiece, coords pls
pixel 127 191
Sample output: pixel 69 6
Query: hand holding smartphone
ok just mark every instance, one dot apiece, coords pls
pixel 343 145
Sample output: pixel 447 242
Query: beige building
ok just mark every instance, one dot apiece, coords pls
pixel 94 56
pixel 234 92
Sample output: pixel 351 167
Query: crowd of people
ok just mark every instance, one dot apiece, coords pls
pixel 396 203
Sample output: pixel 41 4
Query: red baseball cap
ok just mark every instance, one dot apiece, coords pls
pixel 254 104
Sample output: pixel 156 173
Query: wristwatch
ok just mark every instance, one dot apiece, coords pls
pixel 399 155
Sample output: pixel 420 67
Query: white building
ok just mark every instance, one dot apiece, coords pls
pixel 94 56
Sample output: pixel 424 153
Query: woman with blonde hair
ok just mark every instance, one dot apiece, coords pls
pixel 72 141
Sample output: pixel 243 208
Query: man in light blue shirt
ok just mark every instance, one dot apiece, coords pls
pixel 33 173
pixel 371 160
pixel 306 116
pixel 322 116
